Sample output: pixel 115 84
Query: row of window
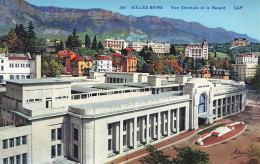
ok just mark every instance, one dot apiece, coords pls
pixel 20 159
pixel 14 142
pixel 56 134
pixel 12 65
pixel 34 100
pixel 18 77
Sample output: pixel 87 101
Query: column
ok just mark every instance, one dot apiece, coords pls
pixel 153 126
pixel 135 127
pixel 147 128
pixel 159 126
pixel 130 133
pixel 177 120
pixel 121 137
pixel 142 129
pixel 117 137
pixel 169 122
pixel 221 107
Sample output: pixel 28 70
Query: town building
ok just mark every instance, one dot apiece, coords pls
pixel 245 65
pixel 62 121
pixel 115 44
pixel 102 64
pixel 80 67
pixel 220 74
pixel 128 63
pixel 197 51
pixel 19 66
pixel 240 42
pixel 201 74
pixel 158 48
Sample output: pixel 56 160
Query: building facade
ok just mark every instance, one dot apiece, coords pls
pixel 115 44
pixel 245 65
pixel 96 123
pixel 19 66
pixel 158 48
pixel 102 64
pixel 197 51
pixel 240 42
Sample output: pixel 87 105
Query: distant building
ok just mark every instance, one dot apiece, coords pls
pixel 80 67
pixel 102 64
pixel 128 63
pixel 197 51
pixel 240 42
pixel 115 44
pixel 19 66
pixel 201 74
pixel 245 65
pixel 158 48
pixel 220 74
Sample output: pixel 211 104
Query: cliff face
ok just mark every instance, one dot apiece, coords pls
pixel 100 21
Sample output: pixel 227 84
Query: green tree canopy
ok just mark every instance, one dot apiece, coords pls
pixel 73 41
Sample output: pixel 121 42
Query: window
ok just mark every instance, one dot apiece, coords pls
pixel 18 141
pixel 109 144
pixel 76 138
pixel 5 144
pixel 109 129
pixel 124 140
pixel 59 134
pixel 53 134
pixel 202 104
pixel 17 76
pixel 2 68
pixel 59 149
pixel 75 152
pixel 11 142
pixel 23 77
pixel 53 151
pixel 2 61
pixel 24 158
pixel 11 76
pixel 24 140
pixel 124 125
pixel 11 160
pixel 18 159
pixel 5 161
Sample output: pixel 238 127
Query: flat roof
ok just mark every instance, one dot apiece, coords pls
pixel 114 103
pixel 37 81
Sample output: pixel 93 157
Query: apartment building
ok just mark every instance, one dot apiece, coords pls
pixel 197 51
pixel 158 48
pixel 115 44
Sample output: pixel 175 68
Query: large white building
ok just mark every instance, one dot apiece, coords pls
pixel 197 51
pixel 61 121
pixel 115 44
pixel 245 65
pixel 19 66
pixel 102 64
pixel 158 48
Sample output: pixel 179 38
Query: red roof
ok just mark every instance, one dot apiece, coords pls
pixel 114 54
pixel 86 59
pixel 77 58
pixel 101 58
pixel 18 58
pixel 128 49
pixel 129 57
pixel 246 55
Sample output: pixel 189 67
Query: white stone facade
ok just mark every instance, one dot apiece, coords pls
pixel 197 51
pixel 102 65
pixel 158 48
pixel 97 123
pixel 115 44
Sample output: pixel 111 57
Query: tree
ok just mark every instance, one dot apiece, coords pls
pixel 100 47
pixel 233 74
pixel 254 82
pixel 254 152
pixel 29 41
pixel 150 49
pixel 12 41
pixel 73 41
pixel 172 50
pixel 94 44
pixel 86 41
pixel 185 155
pixel 155 156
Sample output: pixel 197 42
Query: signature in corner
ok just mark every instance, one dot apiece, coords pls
pixel 238 153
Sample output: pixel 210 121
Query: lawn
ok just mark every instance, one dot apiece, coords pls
pixel 206 130
pixel 219 55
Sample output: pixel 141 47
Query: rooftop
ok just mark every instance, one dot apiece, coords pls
pixel 37 81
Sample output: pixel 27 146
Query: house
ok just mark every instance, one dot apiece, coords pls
pixel 19 66
pixel 128 63
pixel 197 51
pixel 80 66
pixel 102 64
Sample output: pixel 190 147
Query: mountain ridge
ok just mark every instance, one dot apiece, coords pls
pixel 63 20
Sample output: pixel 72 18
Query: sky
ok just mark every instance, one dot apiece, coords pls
pixel 242 16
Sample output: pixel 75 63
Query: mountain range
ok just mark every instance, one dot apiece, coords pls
pixel 61 21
